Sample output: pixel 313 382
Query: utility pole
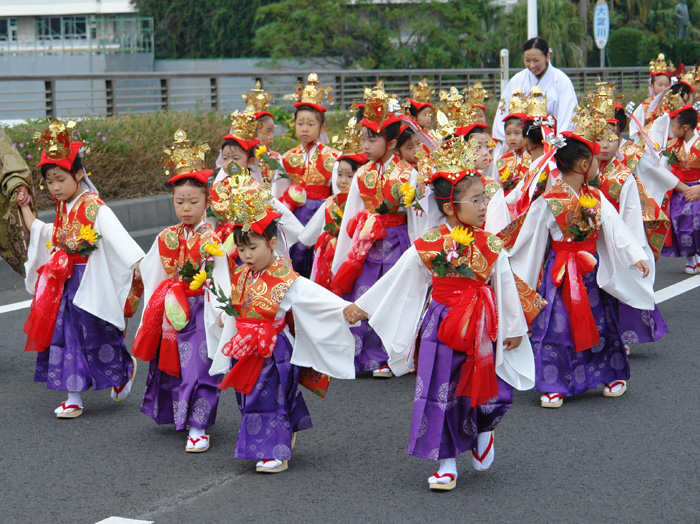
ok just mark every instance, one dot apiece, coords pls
pixel 531 19
pixel 583 11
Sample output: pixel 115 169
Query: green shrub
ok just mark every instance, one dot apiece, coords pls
pixel 622 46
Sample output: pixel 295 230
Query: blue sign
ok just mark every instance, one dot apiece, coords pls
pixel 601 24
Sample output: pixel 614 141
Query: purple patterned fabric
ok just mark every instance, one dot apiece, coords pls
pixel 445 425
pixel 638 326
pixel 384 253
pixel 191 399
pixel 303 257
pixel 685 233
pixel 85 350
pixel 273 410
pixel 559 368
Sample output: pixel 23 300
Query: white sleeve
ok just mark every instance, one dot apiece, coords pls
pixel 566 102
pixel 498 127
pixel 314 227
pixel 395 305
pixel 353 206
pixel 37 253
pixel 517 366
pixel 660 129
pixel 212 312
pixel 656 178
pixel 527 254
pixel 640 116
pixel 497 213
pixel 109 270
pixel 322 337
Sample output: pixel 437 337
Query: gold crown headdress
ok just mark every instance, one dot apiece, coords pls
pixel 451 103
pixel 601 102
pixel 257 99
pixel 312 93
pixel 244 201
pixel 56 139
pixel 674 102
pixel 517 103
pixel 476 95
pixel 453 155
pixel 660 66
pixel 588 127
pixel 350 143
pixel 537 104
pixel 378 104
pixel 244 126
pixel 421 92
pixel 688 78
pixel 182 157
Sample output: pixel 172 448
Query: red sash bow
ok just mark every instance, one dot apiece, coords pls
pixel 41 322
pixel 323 259
pixel 573 260
pixel 472 312
pixel 253 343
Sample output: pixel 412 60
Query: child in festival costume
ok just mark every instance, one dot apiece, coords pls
pixel 652 107
pixel 638 210
pixel 172 335
pixel 376 224
pixel 513 165
pixel 308 166
pixel 592 260
pixel 409 144
pixel 266 357
pixel 419 110
pixel 683 156
pixel 322 230
pixel 464 382
pixel 258 100
pixel 80 270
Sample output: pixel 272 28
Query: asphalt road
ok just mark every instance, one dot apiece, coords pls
pixel 599 460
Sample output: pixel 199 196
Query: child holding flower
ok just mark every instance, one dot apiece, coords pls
pixel 80 270
pixel 464 382
pixel 172 334
pixel 587 258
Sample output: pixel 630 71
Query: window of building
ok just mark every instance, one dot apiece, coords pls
pixel 8 29
pixel 62 27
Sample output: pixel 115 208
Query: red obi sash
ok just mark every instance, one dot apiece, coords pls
pixel 41 322
pixel 573 260
pixel 167 305
pixel 365 229
pixel 323 259
pixel 686 175
pixel 253 343
pixel 472 312
pixel 298 194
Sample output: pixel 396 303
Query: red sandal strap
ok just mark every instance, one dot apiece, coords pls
pixel 72 406
pixel 438 476
pixel 553 396
pixel 616 383
pixel 488 448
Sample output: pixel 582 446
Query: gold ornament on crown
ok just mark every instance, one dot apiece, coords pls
pixel 660 65
pixel 588 127
pixel 601 102
pixel 476 95
pixel 537 104
pixel 453 155
pixel 421 92
pixel 56 139
pixel 351 141
pixel 378 103
pixel 688 78
pixel 244 200
pixel 244 126
pixel 257 99
pixel 451 104
pixel 313 92
pixel 674 102
pixel 517 103
pixel 182 157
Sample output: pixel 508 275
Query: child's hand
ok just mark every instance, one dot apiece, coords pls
pixel 512 343
pixel 137 271
pixel 641 266
pixel 23 197
pixel 692 193
pixel 220 321
pixel 354 314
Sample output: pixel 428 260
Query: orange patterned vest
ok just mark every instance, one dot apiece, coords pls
pixel 66 226
pixel 382 193
pixel 316 173
pixel 686 165
pixel 512 169
pixel 175 251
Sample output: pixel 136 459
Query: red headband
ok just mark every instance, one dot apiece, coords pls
pixel 465 130
pixel 317 107
pixel 65 163
pixel 419 105
pixel 260 225
pixel 657 74
pixel 675 113
pixel 360 158
pixel 201 176
pixel 261 114
pixel 245 144
pixel 593 146
pixel 374 126
pixel 519 116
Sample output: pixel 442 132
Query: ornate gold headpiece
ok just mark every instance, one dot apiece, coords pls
pixel 378 103
pixel 182 157
pixel 476 95
pixel 421 92
pixel 537 103
pixel 451 103
pixel 589 127
pixel 454 155
pixel 660 66
pixel 688 78
pixel 257 99
pixel 56 140
pixel 674 102
pixel 351 141
pixel 312 93
pixel 517 103
pixel 244 126
pixel 601 102
pixel 243 200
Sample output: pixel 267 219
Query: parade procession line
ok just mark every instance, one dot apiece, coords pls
pixel 662 295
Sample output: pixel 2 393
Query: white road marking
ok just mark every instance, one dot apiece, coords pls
pixel 121 520
pixel 15 307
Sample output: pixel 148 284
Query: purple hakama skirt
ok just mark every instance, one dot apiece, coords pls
pixel 303 257
pixel 384 253
pixel 273 410
pixel 559 368
pixel 639 326
pixel 192 398
pixel 445 425
pixel 85 351
pixel 685 233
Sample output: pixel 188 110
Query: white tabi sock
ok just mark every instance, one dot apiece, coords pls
pixel 74 398
pixel 448 466
pixel 196 432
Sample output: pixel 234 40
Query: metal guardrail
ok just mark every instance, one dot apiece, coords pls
pixel 37 96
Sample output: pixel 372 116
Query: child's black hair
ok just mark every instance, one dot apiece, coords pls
pixel 442 189
pixel 688 117
pixel 354 164
pixel 475 131
pixel 683 89
pixel 191 182
pixel 242 238
pixel 321 115
pixel 404 136
pixel 233 143
pixel 413 110
pixel 571 153
pixel 360 114
pixel 621 117
pixel 532 132
pixel 75 168
pixel 390 132
pixel 511 119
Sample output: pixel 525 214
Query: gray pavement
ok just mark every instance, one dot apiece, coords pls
pixel 597 460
